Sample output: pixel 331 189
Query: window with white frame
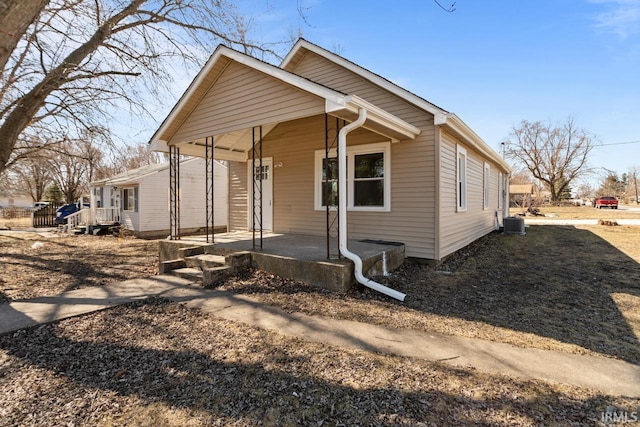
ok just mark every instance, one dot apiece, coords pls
pixel 461 175
pixel 500 190
pixel 487 184
pixel 368 178
pixel 129 202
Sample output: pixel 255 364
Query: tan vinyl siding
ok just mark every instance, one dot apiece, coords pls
pixel 242 98
pixel 413 183
pixel 325 72
pixel 193 101
pixel 237 196
pixel 458 229
pixel 412 207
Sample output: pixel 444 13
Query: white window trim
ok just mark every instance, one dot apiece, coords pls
pixel 129 208
pixel 352 151
pixel 461 181
pixel 500 190
pixel 486 185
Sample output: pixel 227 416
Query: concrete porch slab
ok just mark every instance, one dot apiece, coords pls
pixel 299 257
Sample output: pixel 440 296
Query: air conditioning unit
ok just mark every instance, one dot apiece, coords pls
pixel 514 225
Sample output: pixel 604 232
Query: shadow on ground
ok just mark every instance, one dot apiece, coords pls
pixel 557 281
pixel 139 354
pixel 80 267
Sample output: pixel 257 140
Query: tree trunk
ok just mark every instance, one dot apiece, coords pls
pixel 15 18
pixel 16 122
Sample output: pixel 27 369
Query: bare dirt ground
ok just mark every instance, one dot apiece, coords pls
pixel 559 287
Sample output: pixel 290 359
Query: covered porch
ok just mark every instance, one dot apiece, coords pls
pixel 259 117
pixel 295 256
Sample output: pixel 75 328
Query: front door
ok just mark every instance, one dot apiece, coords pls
pixel 266 176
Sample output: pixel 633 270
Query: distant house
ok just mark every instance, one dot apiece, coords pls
pixel 139 198
pixel 521 195
pixel 14 200
pixel 413 172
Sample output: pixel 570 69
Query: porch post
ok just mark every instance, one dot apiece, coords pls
pixel 257 172
pixel 209 179
pixel 332 213
pixel 174 192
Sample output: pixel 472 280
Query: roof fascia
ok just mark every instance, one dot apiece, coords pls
pixel 460 128
pixel 133 178
pixel 383 117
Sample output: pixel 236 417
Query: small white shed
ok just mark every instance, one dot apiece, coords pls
pixel 139 199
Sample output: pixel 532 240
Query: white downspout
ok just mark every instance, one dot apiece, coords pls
pixel 342 209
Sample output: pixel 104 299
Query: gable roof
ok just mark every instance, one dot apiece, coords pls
pixel 339 104
pixel 133 176
pixel 442 117
pixel 521 189
pixel 302 45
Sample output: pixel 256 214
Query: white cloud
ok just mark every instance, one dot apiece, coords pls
pixel 621 17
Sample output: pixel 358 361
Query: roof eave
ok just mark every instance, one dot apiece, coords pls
pixel 458 127
pixel 394 127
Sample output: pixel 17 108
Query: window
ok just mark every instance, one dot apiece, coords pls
pixel 461 172
pixel 487 184
pixel 368 178
pixel 500 190
pixel 330 181
pixel 129 199
pixel 261 172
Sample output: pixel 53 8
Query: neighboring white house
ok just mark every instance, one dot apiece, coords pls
pixel 139 199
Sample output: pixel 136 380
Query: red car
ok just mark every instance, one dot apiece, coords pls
pixel 606 202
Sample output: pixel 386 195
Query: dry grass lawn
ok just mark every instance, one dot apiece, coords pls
pixel 574 289
pixel 585 212
pixel 559 287
pixel 160 363
pixel 33 265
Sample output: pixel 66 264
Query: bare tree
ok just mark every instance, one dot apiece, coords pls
pixel 611 185
pixel 585 191
pixel 127 158
pixel 70 170
pixel 33 176
pixel 81 58
pixel 554 154
pixel 15 18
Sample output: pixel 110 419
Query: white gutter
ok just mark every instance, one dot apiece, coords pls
pixel 342 209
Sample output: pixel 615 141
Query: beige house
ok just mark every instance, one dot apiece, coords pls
pixel 410 171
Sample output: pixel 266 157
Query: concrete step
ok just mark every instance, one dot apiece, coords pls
pixel 205 261
pixel 166 267
pixel 213 276
pixel 187 273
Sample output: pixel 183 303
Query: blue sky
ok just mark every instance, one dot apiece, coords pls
pixel 493 63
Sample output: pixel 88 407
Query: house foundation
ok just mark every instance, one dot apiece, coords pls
pixel 298 257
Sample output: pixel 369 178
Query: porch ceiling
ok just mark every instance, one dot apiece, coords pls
pixel 233 142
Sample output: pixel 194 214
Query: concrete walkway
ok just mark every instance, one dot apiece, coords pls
pixel 607 375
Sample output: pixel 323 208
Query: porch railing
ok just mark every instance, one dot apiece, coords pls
pixel 82 217
pixel 104 215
